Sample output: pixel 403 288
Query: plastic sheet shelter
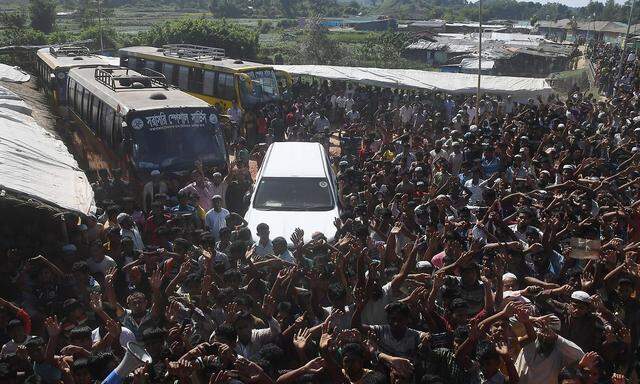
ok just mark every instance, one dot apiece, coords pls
pixel 35 164
pixel 13 74
pixel 520 88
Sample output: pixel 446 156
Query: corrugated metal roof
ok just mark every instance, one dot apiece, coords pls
pixel 428 23
pixel 596 25
pixel 427 45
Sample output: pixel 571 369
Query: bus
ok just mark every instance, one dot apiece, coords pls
pixel 207 73
pixel 138 122
pixel 52 65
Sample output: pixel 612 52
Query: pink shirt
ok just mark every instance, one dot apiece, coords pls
pixel 204 192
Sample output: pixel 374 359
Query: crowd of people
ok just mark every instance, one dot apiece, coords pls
pixel 493 247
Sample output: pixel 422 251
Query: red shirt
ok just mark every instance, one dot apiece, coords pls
pixel 262 125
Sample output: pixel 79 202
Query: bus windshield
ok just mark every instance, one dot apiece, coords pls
pixel 175 138
pixel 264 87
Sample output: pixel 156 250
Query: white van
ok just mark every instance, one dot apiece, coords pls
pixel 295 187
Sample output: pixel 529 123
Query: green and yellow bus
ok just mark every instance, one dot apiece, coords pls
pixel 207 73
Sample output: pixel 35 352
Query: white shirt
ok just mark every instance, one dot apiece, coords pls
pixel 10 347
pixel 353 115
pixel 102 266
pixel 263 250
pixel 259 337
pixel 534 368
pixel 235 114
pixel 215 221
pixel 406 113
pixel 456 159
pixel 348 103
pixel 134 235
pixel 476 191
pixel 125 336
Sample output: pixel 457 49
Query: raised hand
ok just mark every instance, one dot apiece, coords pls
pixel 53 326
pixel 248 368
pixel 156 280
pixel 182 368
pixel 314 366
pixel 185 268
pixel 110 276
pixel 589 360
pixel 401 366
pixel 95 301
pixel 337 223
pixel 297 238
pixel 114 328
pixel 269 305
pixel 301 339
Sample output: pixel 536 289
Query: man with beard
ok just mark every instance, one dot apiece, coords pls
pixel 544 354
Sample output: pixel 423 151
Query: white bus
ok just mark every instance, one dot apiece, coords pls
pixel 53 64
pixel 143 123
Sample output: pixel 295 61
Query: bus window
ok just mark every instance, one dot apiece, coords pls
pixel 226 89
pixel 207 86
pixel 77 106
pixel 183 79
pixel 107 119
pixel 167 71
pixel 196 76
pixel 150 64
pixel 71 92
pixel 95 111
pixel 140 64
pixel 133 62
pixel 117 133
pixel 86 105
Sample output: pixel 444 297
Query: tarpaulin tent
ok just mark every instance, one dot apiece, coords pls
pixel 34 163
pixel 13 74
pixel 520 88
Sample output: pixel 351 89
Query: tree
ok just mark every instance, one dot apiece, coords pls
pixel 317 47
pixel 237 40
pixel 13 21
pixel 43 15
pixel 226 8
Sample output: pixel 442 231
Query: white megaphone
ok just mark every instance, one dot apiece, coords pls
pixel 136 356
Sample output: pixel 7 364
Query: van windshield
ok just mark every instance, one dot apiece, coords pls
pixel 293 194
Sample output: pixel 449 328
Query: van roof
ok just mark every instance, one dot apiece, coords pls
pixel 295 159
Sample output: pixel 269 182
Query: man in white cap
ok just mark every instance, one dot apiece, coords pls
pixel 219 187
pixel 215 219
pixel 545 353
pixel 153 187
pixel 579 321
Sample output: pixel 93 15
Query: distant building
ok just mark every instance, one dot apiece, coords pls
pixel 566 29
pixel 432 53
pixel 382 23
pixel 426 26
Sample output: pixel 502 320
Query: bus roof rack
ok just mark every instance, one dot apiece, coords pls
pixel 69 51
pixel 122 78
pixel 193 52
